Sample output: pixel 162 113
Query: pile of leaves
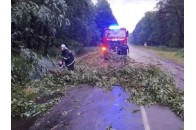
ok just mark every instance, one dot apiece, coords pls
pixel 147 84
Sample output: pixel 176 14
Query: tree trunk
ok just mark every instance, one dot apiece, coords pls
pixel 181 26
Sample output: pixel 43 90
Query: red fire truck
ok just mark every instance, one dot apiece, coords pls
pixel 115 39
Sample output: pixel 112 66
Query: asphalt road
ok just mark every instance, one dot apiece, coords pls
pixel 160 117
pixel 92 108
pixel 148 57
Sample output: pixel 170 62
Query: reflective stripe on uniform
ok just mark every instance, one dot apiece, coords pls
pixel 65 57
pixel 71 63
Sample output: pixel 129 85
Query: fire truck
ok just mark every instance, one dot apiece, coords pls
pixel 115 39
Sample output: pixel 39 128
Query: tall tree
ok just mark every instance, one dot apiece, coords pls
pixel 40 24
pixel 171 14
pixel 163 27
pixel 81 14
pixel 145 29
pixel 104 17
pixel 35 22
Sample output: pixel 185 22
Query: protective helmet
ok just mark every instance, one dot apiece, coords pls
pixel 63 46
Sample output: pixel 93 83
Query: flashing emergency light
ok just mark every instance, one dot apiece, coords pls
pixel 103 48
pixel 114 27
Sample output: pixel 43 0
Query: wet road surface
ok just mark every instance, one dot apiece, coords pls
pixel 160 117
pixel 148 57
pixel 92 108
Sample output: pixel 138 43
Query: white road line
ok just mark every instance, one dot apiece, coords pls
pixel 144 118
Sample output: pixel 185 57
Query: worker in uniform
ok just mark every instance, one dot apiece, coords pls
pixel 67 58
pixel 126 50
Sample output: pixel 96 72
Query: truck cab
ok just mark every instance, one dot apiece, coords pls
pixel 115 39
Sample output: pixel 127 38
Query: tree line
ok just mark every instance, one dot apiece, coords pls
pixel 163 27
pixel 43 24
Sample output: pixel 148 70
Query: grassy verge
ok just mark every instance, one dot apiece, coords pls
pixel 173 54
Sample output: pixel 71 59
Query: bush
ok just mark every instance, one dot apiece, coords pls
pixel 19 70
pixel 53 51
pixel 74 45
pixel 180 52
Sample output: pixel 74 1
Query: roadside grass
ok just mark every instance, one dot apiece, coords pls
pixel 174 54
pixel 147 84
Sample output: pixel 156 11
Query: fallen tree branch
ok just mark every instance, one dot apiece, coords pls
pixel 51 60
pixel 126 65
pixel 55 72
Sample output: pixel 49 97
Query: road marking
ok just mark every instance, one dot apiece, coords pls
pixel 144 118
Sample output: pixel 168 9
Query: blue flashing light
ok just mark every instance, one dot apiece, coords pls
pixel 114 27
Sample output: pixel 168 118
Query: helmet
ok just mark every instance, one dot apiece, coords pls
pixel 63 46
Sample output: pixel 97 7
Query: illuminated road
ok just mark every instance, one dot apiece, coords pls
pixel 89 108
pixel 92 108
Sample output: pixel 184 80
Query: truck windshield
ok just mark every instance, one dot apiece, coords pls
pixel 115 33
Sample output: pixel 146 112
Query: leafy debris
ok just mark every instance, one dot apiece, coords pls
pixel 147 84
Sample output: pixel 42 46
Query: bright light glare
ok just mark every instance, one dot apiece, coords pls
pixel 114 27
pixel 103 48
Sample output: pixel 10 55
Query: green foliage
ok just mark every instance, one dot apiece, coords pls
pixel 180 53
pixel 74 45
pixel 39 25
pixel 35 24
pixel 174 54
pixel 53 51
pixel 164 27
pixel 24 107
pixel 155 87
pixel 147 84
pixel 104 17
pixel 83 28
pixel 19 71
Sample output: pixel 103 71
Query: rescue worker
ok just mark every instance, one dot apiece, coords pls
pixel 126 50
pixel 67 58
